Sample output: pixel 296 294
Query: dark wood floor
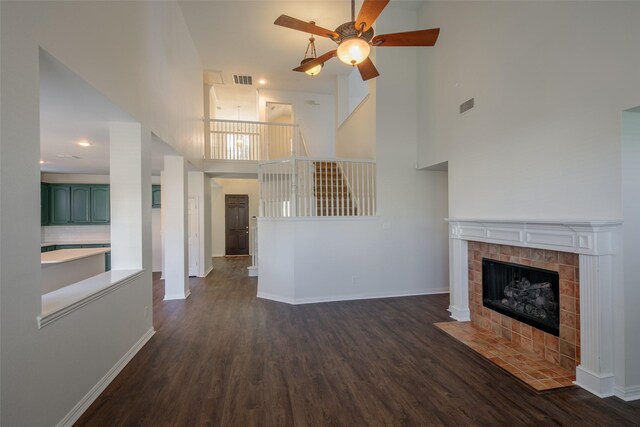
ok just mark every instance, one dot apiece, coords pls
pixel 225 358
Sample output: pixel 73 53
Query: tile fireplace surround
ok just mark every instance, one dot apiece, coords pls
pixel 592 242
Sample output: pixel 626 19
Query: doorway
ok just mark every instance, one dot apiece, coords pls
pixel 236 224
pixel 278 112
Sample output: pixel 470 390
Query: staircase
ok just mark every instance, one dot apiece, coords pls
pixel 333 197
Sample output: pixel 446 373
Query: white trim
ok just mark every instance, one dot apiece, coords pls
pixel 315 300
pixel 177 296
pixel 218 255
pixel 84 403
pixel 272 297
pixel 600 385
pixel 582 237
pixel 68 299
pixel 459 314
pixel 253 270
pixel 627 393
pixel 209 270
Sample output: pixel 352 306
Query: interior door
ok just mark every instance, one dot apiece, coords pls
pixel 237 224
pixel 194 239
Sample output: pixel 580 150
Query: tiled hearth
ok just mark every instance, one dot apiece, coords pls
pixel 563 350
pixel 583 254
pixel 533 370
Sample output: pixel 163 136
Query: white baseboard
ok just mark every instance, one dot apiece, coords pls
pixel 177 296
pixel 461 315
pixel 95 391
pixel 315 300
pixel 216 255
pixel 600 385
pixel 276 298
pixel 253 271
pixel 209 270
pixel 627 393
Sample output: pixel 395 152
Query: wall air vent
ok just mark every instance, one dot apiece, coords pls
pixel 466 106
pixel 243 80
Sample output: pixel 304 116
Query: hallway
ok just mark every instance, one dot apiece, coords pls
pixel 225 358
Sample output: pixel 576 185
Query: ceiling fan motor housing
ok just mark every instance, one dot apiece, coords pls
pixel 348 30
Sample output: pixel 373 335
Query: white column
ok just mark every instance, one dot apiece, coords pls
pixel 130 196
pixel 174 205
pixel 459 280
pixel 595 372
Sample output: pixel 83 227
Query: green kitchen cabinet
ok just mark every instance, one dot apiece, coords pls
pixel 155 196
pixel 44 204
pixel 80 204
pixel 59 204
pixel 100 204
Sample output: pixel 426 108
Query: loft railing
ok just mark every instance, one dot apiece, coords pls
pixel 308 187
pixel 258 141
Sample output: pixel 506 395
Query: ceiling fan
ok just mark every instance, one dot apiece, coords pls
pixel 355 38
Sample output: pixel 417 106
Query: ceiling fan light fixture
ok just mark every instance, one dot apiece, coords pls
pixel 309 55
pixel 353 50
pixel 312 71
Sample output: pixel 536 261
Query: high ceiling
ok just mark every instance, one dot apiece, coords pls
pixel 232 37
pixel 71 110
pixel 239 37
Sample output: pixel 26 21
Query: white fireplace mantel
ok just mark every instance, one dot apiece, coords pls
pixel 596 242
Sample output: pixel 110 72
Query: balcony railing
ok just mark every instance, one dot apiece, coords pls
pixel 298 187
pixel 258 141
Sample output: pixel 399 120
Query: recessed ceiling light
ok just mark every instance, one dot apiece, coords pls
pixel 84 143
pixel 262 81
pixel 42 162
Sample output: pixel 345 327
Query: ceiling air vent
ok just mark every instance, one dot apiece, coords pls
pixel 243 80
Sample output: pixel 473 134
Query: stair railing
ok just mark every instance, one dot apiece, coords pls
pixel 314 187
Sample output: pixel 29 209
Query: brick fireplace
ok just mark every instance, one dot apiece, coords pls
pixel 581 252
pixel 562 350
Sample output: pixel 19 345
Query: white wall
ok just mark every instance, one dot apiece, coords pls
pixel 402 251
pixel 356 136
pixel 156 240
pixel 314 260
pixel 219 188
pixel 317 122
pixel 141 57
pixel 199 187
pixel 630 297
pixel 550 80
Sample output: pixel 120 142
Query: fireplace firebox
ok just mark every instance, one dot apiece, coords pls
pixel 530 295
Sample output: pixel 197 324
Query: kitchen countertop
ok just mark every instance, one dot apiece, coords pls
pixel 65 255
pixel 103 242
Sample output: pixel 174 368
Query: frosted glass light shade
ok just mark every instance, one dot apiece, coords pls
pixel 353 51
pixel 315 70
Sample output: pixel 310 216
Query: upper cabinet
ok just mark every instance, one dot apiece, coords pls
pixel 80 204
pixel 155 196
pixel 100 204
pixel 59 204
pixel 64 204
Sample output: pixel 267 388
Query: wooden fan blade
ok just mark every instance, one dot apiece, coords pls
pixel 296 24
pixel 368 70
pixel 318 61
pixel 369 12
pixel 410 38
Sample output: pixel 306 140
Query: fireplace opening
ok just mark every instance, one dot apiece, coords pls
pixel 530 295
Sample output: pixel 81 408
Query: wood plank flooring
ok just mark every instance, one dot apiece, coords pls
pixel 225 358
